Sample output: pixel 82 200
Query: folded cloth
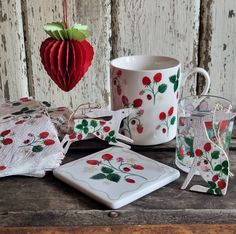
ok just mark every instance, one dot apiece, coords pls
pixel 28 140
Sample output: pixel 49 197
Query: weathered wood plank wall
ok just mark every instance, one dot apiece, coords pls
pixel 198 32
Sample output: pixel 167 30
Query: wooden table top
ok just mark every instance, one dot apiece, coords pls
pixel 33 202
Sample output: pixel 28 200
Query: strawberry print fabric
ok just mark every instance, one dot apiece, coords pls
pixel 28 139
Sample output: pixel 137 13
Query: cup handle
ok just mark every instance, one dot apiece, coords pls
pixel 204 73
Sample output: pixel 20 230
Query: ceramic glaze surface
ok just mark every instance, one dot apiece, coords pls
pixel 151 85
pixel 116 176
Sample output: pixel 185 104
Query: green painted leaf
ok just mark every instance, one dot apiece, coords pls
pixel 17 113
pixel 37 148
pixel 172 121
pixel 84 122
pixel 178 73
pixel 162 88
pixel 225 164
pixel 176 85
pixel 225 171
pixel 212 184
pixel 189 141
pixel 106 170
pixel 24 109
pixel 86 130
pixel 47 104
pixel 94 123
pixel 172 79
pixel 211 191
pixel 108 139
pixel 215 154
pixel 218 167
pixel 98 176
pixel 113 139
pixel 16 103
pixel 218 191
pixel 79 126
pixel 29 111
pixel 111 133
pixel 113 177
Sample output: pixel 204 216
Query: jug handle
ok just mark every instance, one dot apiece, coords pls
pixel 204 73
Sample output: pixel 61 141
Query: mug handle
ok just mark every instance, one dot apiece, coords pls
pixel 204 73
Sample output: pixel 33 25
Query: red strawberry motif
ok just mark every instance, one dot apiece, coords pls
pixel 207 147
pixel 66 61
pixel 215 178
pixel 139 128
pixel 79 137
pixel 7 141
pixel 137 103
pixel 119 73
pixel 126 169
pixel 138 167
pixel 25 99
pixel 162 116
pixel 208 125
pixel 130 180
pixel 146 81
pixel 2 168
pixel 181 151
pixel 101 122
pixel 170 111
pixel 157 77
pixel 198 152
pixel 4 133
pixel 221 184
pixel 19 122
pixel 49 142
pixel 125 100
pixel 149 97
pixel 107 156
pixel 223 125
pixel 118 90
pixel 106 129
pixel 72 136
pixel 92 162
pixel 43 135
pixel 133 122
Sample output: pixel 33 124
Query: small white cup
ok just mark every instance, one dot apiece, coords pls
pixel 151 84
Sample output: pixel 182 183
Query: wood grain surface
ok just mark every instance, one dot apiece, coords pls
pixel 167 28
pixel 124 229
pixel 218 46
pixel 94 87
pixel 49 202
pixel 13 73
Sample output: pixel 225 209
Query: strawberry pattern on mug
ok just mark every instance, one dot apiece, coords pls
pixel 152 87
pixel 167 120
pixel 133 122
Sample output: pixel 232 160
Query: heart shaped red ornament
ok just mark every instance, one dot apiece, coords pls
pixel 66 55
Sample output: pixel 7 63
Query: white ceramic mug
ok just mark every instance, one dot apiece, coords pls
pixel 151 84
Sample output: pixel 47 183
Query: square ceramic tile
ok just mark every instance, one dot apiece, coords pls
pixel 116 176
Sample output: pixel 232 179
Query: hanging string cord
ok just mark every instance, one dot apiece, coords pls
pixel 65 13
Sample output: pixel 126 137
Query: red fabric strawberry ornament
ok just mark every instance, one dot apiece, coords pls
pixel 66 55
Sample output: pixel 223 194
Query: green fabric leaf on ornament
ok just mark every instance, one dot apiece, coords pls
pixel 86 130
pixel 79 126
pixel 16 103
pixel 225 163
pixel 47 104
pixel 178 73
pixel 176 85
pixel 112 133
pixel 218 191
pixel 212 184
pixel 225 171
pixel 94 123
pixel 218 167
pixel 84 122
